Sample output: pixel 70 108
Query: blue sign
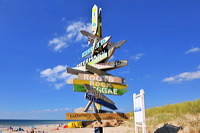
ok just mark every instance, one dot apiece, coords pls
pixel 100 101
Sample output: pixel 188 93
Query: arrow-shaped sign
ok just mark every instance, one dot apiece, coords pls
pixel 97 116
pixel 107 66
pixel 75 71
pixel 103 78
pixel 97 83
pixel 104 90
pixel 100 101
pixel 95 70
pixel 97 94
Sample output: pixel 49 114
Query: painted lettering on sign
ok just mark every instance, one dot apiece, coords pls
pixel 97 83
pixel 103 78
pixel 94 19
pixel 96 93
pixel 97 116
pixel 94 59
pixel 100 101
pixel 104 90
pixel 95 70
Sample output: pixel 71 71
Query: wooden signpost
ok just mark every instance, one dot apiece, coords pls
pixel 103 78
pixel 100 101
pixel 93 76
pixel 103 90
pixel 97 83
pixel 97 116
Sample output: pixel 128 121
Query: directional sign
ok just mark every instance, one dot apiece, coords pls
pixel 111 44
pixel 97 116
pixel 111 65
pixel 99 43
pixel 95 59
pixel 95 70
pixel 107 66
pixel 75 71
pixel 111 48
pixel 97 94
pixel 100 101
pixel 103 78
pixel 94 19
pixel 104 90
pixel 97 83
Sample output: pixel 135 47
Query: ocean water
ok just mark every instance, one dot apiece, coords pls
pixel 14 123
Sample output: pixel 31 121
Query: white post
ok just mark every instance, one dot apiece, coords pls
pixel 136 128
pixel 143 111
pixel 139 111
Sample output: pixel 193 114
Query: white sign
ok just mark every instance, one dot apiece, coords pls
pixel 139 111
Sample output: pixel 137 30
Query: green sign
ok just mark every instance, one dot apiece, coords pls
pixel 104 90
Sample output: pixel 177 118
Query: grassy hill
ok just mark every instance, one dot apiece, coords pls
pixel 186 114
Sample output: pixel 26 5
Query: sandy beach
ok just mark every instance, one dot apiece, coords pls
pixel 59 129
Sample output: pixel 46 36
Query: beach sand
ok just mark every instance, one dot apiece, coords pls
pixel 51 129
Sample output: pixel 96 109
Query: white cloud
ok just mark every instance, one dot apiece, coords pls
pixel 72 35
pixel 186 76
pixel 137 56
pixel 51 110
pixel 53 74
pixel 56 75
pixel 192 50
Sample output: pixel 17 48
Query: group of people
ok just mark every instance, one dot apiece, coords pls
pixel 20 129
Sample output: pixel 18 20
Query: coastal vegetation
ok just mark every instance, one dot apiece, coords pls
pixel 185 114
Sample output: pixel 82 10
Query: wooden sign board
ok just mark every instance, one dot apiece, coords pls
pixel 94 19
pixel 97 116
pixel 94 59
pixel 103 78
pixel 106 66
pixel 100 101
pixel 104 90
pixel 95 70
pixel 111 65
pixel 97 83
pixel 75 71
pixel 97 94
pixel 111 49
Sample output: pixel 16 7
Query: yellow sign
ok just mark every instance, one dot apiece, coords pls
pixel 94 19
pixel 97 83
pixel 97 116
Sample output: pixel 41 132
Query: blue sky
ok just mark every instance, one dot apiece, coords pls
pixel 38 39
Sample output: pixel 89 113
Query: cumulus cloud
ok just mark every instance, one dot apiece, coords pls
pixel 192 50
pixel 72 35
pixel 186 76
pixel 137 56
pixel 56 75
pixel 51 110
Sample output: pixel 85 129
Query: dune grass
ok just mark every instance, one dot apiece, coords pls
pixel 185 114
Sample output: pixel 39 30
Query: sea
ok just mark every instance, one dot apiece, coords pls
pixel 18 123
